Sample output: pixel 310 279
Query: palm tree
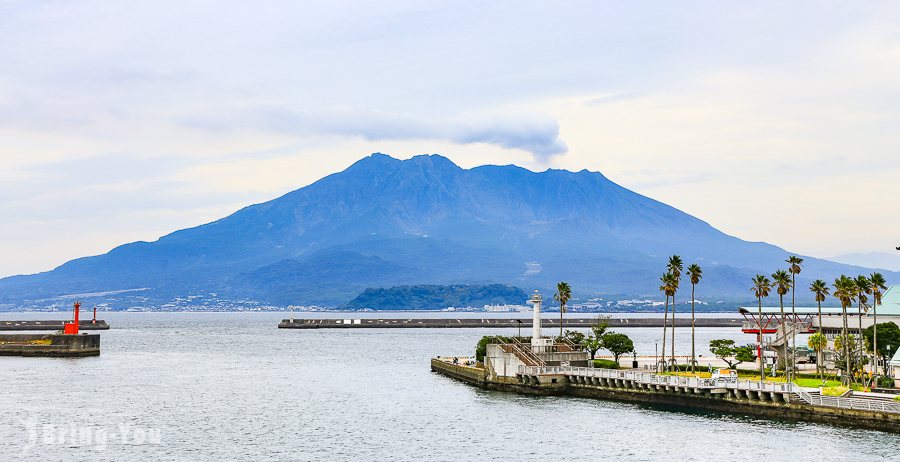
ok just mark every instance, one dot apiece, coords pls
pixel 820 288
pixel 781 279
pixel 795 262
pixel 761 288
pixel 675 266
pixel 845 344
pixel 818 343
pixel 695 274
pixel 563 295
pixel 878 284
pixel 668 287
pixel 845 291
pixel 863 287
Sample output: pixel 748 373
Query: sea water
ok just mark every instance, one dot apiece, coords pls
pixel 231 386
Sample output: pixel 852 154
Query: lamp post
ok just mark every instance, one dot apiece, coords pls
pixel 656 353
pixel 292 313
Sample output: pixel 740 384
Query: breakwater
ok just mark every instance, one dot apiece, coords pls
pixel 350 323
pixel 51 325
pixel 52 345
pixel 772 400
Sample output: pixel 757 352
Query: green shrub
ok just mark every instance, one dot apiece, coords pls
pixel 834 391
pixel 885 382
pixel 481 348
pixel 897 398
pixel 606 364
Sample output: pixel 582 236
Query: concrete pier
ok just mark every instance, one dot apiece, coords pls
pixel 60 345
pixel 618 323
pixel 51 325
pixel 741 397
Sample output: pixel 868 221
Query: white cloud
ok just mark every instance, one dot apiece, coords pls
pixel 534 132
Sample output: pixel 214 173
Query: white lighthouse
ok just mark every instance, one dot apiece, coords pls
pixel 538 344
pixel 536 324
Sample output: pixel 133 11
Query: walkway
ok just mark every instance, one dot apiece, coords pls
pixel 740 389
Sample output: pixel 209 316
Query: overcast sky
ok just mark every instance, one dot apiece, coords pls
pixel 125 121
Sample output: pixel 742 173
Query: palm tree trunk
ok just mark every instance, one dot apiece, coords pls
pixel 665 320
pixel 861 366
pixel 820 357
pixel 875 336
pixel 561 311
pixel 781 297
pixel 762 369
pixel 693 340
pixel 794 330
pixel 673 334
pixel 845 348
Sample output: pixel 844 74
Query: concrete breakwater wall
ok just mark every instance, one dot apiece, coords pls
pixel 61 345
pixel 351 323
pixel 51 325
pixel 769 405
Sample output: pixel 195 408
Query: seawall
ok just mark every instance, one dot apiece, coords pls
pixel 353 323
pixel 61 345
pixel 51 325
pixel 672 397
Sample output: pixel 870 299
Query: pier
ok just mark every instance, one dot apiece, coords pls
pixel 52 325
pixel 746 397
pixel 52 345
pixel 353 323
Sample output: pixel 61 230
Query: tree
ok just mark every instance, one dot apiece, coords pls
pixel 617 344
pixel 820 288
pixel 818 343
pixel 668 288
pixel 863 288
pixel 725 349
pixel 890 339
pixel 481 347
pixel 795 262
pixel 761 288
pixel 782 283
pixel 675 266
pixel 878 284
pixel 845 291
pixel 694 274
pixel 563 295
pixel 848 357
pixel 594 341
pixel 574 336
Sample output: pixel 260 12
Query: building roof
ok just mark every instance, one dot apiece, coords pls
pixel 890 301
pixel 890 306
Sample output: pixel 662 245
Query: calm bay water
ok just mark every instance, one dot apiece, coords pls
pixel 231 386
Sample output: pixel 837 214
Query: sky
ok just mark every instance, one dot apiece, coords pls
pixel 125 121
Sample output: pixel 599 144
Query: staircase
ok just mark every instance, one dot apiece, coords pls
pixel 523 352
pixel 786 331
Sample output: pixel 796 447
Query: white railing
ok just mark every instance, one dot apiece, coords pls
pixel 733 384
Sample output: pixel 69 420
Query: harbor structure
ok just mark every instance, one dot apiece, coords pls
pixel 805 320
pixel 504 358
pixel 69 343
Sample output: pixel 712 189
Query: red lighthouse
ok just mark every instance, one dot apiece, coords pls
pixel 72 327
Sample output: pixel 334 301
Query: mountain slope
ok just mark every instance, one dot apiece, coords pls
pixel 384 222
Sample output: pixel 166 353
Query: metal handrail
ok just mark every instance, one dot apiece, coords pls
pixel 527 353
pixel 695 382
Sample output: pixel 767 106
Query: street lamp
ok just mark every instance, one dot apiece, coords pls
pixel 656 353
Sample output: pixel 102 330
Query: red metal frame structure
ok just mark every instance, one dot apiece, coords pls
pixel 770 321
pixel 72 327
pixel 768 324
